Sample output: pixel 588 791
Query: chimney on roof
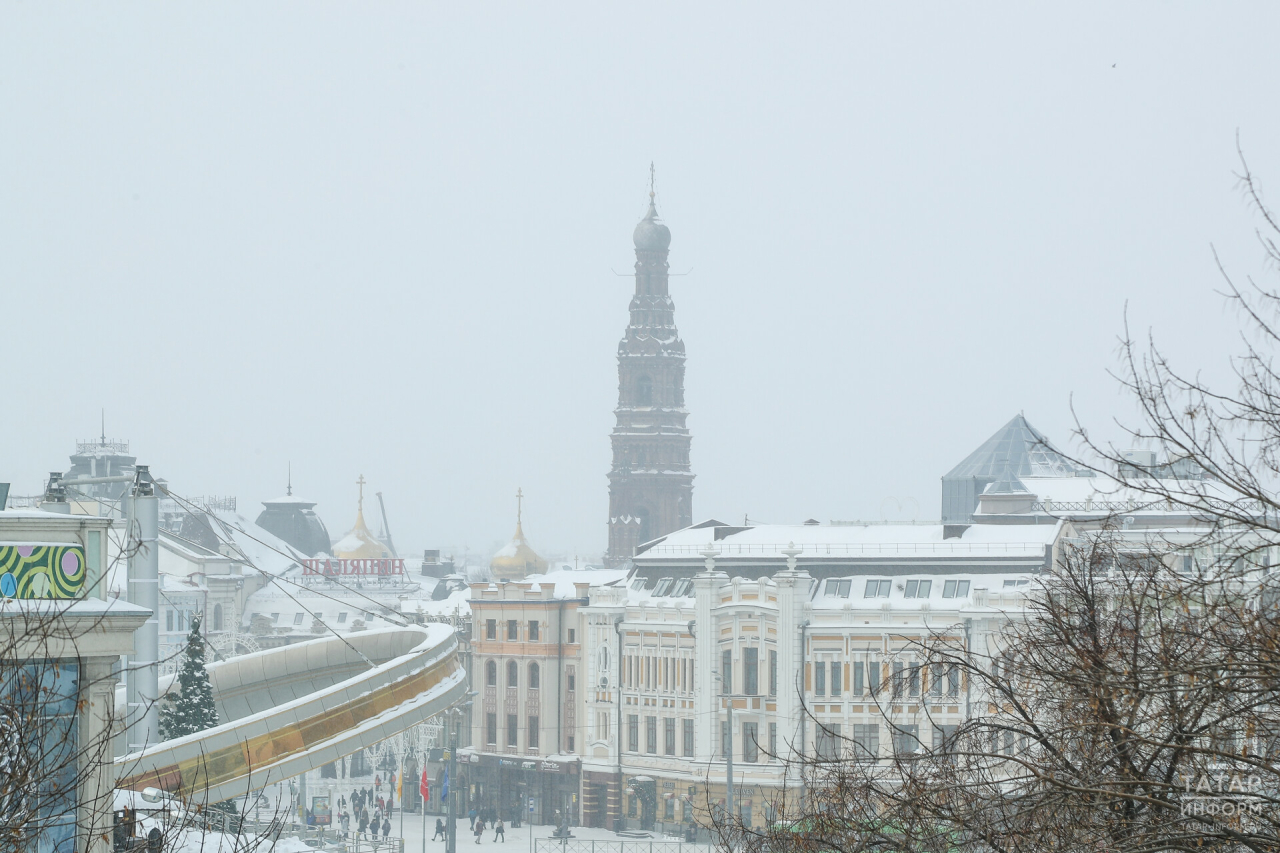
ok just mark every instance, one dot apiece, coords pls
pixel 953 531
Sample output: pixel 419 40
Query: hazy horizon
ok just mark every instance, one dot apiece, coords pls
pixel 383 242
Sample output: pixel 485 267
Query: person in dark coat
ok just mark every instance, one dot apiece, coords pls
pixel 364 823
pixel 386 828
pixel 439 830
pixel 499 830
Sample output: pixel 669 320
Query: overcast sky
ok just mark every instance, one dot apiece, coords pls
pixel 381 239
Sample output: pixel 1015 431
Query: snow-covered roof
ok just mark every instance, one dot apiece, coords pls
pixel 769 541
pixel 564 580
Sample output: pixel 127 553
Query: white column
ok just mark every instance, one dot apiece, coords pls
pixel 706 733
pixel 793 591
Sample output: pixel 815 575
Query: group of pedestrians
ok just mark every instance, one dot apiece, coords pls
pixel 477 823
pixel 366 825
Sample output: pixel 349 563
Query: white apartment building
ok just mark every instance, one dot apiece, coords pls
pixel 774 619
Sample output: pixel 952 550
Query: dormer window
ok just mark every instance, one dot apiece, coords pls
pixel 918 589
pixel 877 589
pixel 955 589
pixel 838 588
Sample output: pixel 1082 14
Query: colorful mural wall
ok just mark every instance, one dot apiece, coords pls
pixel 41 571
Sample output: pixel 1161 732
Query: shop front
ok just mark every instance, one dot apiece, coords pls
pixel 535 790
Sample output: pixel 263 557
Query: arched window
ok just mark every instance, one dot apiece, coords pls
pixel 513 674
pixel 217 617
pixel 491 674
pixel 644 391
pixel 534 676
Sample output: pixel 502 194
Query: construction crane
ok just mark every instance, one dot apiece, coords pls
pixel 386 527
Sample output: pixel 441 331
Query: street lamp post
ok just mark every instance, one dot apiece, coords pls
pixel 451 831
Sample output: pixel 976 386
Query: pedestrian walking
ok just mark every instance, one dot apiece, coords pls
pixel 477 830
pixel 363 825
pixel 439 830
pixel 499 830
pixel 386 828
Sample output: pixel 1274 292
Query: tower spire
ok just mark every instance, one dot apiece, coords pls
pixel 519 505
pixel 651 180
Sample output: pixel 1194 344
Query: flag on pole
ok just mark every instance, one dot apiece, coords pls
pixel 445 792
pixel 400 787
pixel 424 788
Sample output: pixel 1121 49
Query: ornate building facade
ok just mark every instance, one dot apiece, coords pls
pixel 650 484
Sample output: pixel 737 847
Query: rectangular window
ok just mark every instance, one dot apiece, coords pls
pixel 750 742
pixel 297 618
pixel 835 677
pixel 491 629
pixel 837 588
pixel 669 736
pixel 773 673
pixel 513 630
pixel 726 671
pixel 828 740
pixel 573 632
pixel 751 671
pixel 604 720
pixel 859 684
pixel 906 740
pixel 726 739
pixel 491 729
pixel 168 620
pixel 570 745
pixel 953 680
pixel 866 741
pixel 532 737
pixel 935 680
pixel 918 589
pixel 820 678
pixel 876 589
pixel 513 729
pixel 569 687
pixel 688 738
pixel 651 735
pixel 913 680
pixel 873 676
pixel 275 618
pixel 342 617
pixel 955 589
pixel 533 630
pixel 633 733
pixel 773 739
pixel 943 738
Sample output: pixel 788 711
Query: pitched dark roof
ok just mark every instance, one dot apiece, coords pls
pixel 1016 450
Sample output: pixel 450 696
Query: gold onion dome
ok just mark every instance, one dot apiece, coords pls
pixel 359 543
pixel 516 559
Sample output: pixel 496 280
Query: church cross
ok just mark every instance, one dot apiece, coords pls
pixel 360 483
pixel 519 505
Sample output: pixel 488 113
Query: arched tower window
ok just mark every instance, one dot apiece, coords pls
pixel 513 674
pixel 217 617
pixel 535 676
pixel 644 391
pixel 491 674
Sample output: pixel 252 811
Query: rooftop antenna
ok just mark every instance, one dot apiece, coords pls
pixel 651 179
pixel 386 528
pixel 289 491
pixel 104 425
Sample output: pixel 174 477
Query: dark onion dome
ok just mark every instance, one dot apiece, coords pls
pixel 650 233
pixel 294 521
